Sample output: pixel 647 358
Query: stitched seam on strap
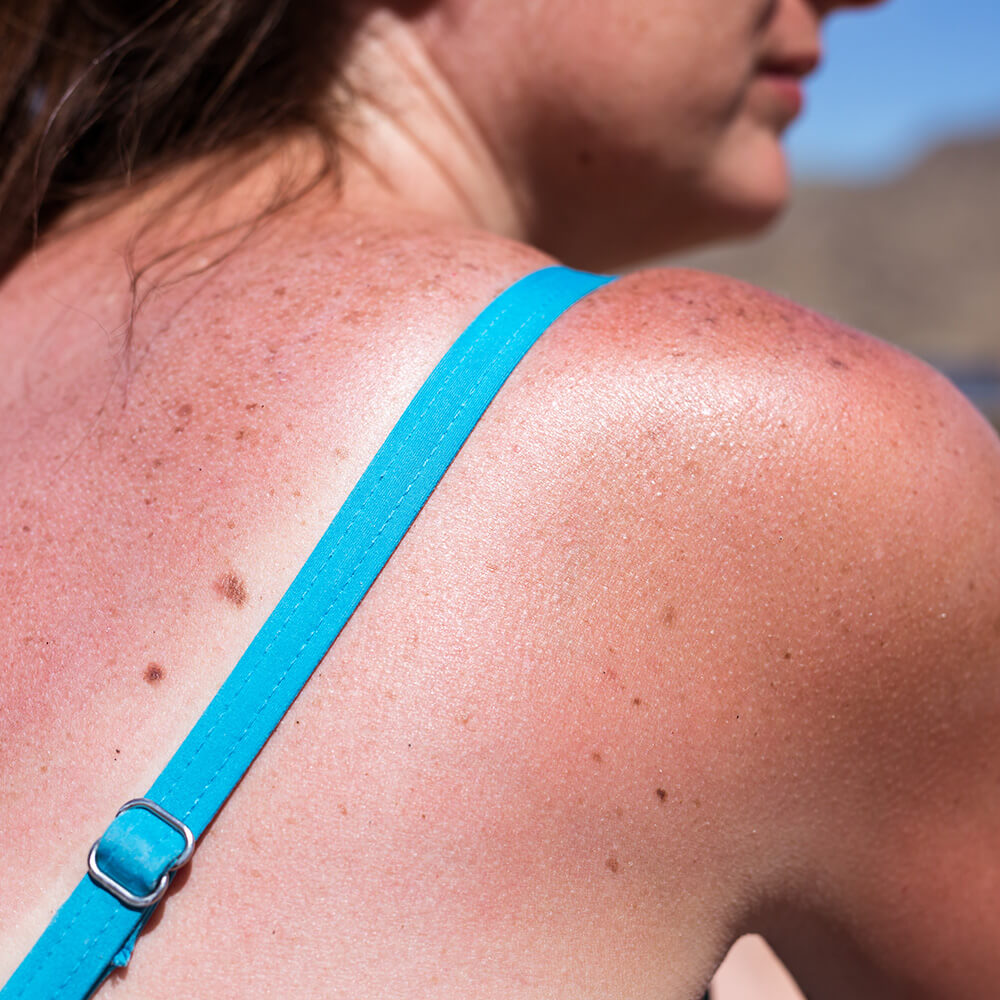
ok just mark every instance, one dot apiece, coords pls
pixel 357 566
pixel 306 590
pixel 79 961
pixel 80 910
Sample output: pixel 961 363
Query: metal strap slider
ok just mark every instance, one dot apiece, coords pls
pixel 120 892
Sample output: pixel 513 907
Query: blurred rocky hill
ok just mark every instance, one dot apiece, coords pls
pixel 915 260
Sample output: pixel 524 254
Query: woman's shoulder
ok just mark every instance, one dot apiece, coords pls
pixel 822 515
pixel 781 538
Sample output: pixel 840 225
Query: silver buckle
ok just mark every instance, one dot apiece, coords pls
pixel 106 882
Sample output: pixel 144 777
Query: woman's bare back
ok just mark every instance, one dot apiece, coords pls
pixel 569 745
pixel 428 806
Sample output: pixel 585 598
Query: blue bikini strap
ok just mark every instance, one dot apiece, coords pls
pixel 131 866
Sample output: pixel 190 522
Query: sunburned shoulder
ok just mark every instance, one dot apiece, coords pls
pixel 817 516
pixel 830 493
pixel 742 374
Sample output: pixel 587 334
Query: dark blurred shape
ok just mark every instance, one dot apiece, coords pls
pixel 915 260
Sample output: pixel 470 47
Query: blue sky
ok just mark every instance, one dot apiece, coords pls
pixel 897 79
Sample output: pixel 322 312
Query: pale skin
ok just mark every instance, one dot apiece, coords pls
pixel 699 636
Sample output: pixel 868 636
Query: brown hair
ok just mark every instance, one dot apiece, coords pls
pixel 98 94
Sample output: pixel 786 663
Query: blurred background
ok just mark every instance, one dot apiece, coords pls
pixel 895 223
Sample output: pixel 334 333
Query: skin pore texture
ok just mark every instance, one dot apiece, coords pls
pixel 699 635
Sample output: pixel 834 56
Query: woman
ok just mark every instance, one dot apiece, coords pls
pixel 698 635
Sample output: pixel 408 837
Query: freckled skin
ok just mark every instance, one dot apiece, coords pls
pixel 519 810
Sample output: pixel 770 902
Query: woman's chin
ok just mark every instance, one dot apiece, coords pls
pixel 739 195
pixel 748 217
pixel 748 195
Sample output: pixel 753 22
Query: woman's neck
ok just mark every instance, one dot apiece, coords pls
pixel 408 142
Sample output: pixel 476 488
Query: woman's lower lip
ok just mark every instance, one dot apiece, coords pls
pixel 787 91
